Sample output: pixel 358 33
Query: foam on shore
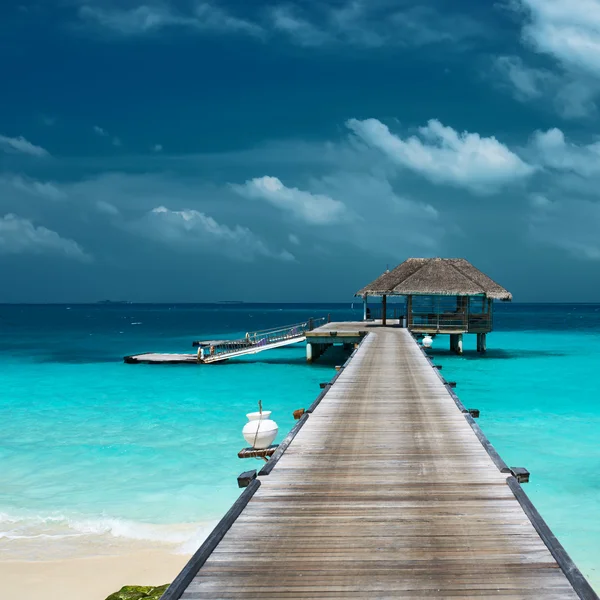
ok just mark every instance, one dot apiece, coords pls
pixel 35 538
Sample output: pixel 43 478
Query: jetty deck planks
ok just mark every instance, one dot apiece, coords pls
pixel 384 492
pixel 155 358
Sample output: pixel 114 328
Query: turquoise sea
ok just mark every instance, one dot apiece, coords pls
pixel 95 452
pixel 539 394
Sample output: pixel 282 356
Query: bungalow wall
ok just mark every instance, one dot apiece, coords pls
pixel 449 314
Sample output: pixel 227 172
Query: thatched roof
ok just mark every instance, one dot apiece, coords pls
pixel 435 276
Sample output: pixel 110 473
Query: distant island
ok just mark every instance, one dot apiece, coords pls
pixel 230 302
pixel 114 302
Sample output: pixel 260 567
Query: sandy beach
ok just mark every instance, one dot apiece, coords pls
pixel 92 578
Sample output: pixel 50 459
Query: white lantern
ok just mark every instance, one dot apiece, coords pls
pixel 427 341
pixel 260 431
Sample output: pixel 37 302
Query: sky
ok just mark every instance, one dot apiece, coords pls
pixel 192 151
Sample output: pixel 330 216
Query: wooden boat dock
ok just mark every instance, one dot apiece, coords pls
pixel 213 351
pixel 385 488
pixel 161 358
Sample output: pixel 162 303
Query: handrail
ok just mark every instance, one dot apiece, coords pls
pixel 303 323
pixel 264 337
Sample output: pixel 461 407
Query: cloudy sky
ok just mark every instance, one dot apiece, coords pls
pixel 183 150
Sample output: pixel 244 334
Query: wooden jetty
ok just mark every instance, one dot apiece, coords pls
pixel 385 488
pixel 213 351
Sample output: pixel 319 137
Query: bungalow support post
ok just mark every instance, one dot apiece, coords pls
pixel 456 343
pixel 315 351
pixel 481 342
pixel 384 310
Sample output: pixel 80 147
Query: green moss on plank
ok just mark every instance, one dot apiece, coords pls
pixel 139 592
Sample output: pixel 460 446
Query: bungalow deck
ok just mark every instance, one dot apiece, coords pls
pixel 385 488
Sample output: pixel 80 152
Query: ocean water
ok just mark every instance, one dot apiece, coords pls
pixel 538 390
pixel 97 454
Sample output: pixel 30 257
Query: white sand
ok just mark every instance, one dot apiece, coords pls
pixel 86 578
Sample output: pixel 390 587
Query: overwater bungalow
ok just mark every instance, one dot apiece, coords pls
pixel 442 296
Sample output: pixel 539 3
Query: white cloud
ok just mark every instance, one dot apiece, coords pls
pixel 424 25
pixel 21 236
pixel 567 223
pixel 570 225
pixel 136 21
pixel 193 230
pixel 213 18
pixel 300 30
pixel 444 156
pixel 115 141
pixel 567 30
pixel 526 82
pixel 539 201
pixel 361 23
pixel 385 221
pixel 20 145
pixel 36 188
pixel 550 149
pixel 147 19
pixel 317 209
pixel 373 216
pixel 372 24
pixel 107 208
pixel 572 96
pixel 575 98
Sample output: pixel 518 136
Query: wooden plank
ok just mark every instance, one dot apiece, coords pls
pixel 387 490
pixel 246 478
pixel 283 446
pixel 153 358
pixel 254 453
pixel 521 474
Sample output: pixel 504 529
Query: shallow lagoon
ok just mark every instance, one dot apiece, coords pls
pixel 94 450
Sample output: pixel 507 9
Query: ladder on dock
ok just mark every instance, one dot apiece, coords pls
pixel 256 341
